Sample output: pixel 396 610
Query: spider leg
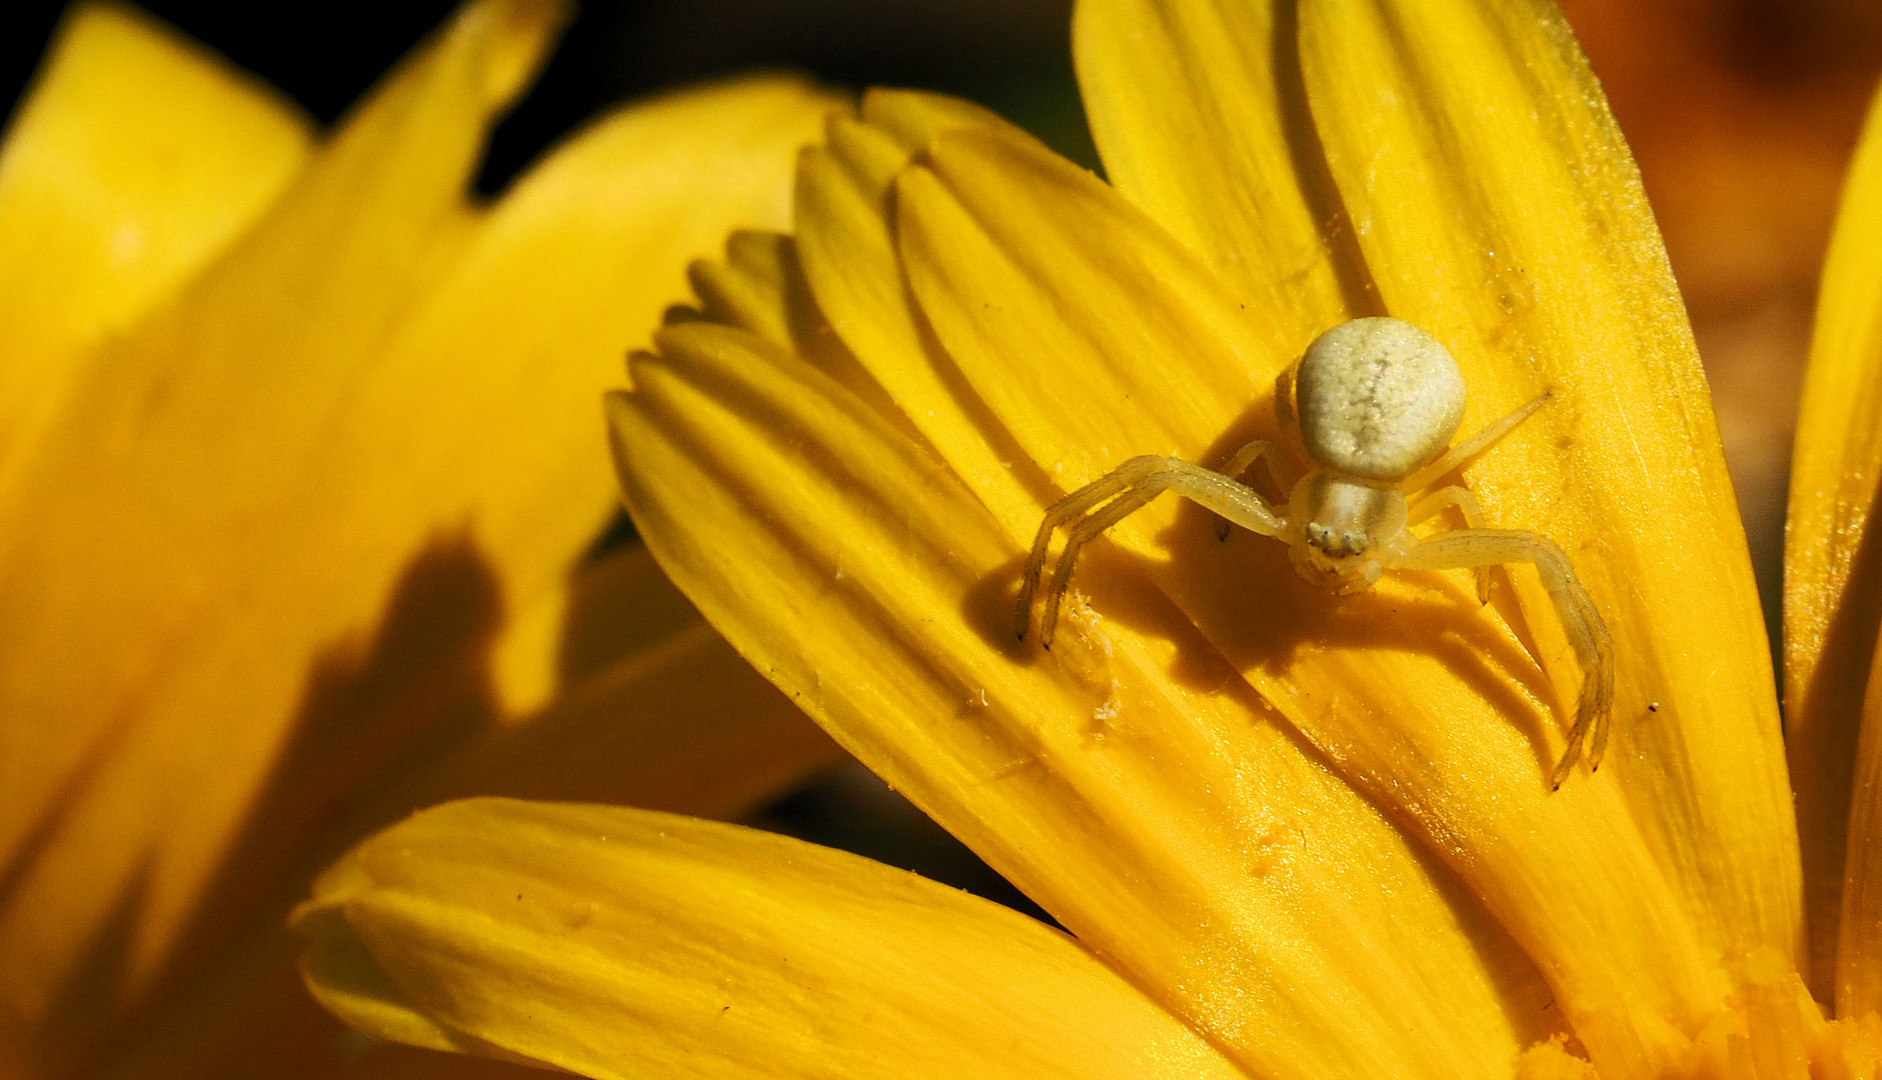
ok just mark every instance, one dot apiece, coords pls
pixel 1587 634
pixel 1464 453
pixel 1245 459
pixel 1122 492
pixel 1284 410
pixel 1433 503
pixel 1082 533
pixel 1070 508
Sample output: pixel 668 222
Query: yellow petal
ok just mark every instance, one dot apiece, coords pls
pixel 1498 208
pixel 1830 615
pixel 137 157
pixel 762 288
pixel 912 119
pixel 657 711
pixel 1830 611
pixel 1198 112
pixel 344 976
pixel 613 943
pixel 758 288
pixel 846 244
pixel 346 980
pixel 1127 785
pixel 953 226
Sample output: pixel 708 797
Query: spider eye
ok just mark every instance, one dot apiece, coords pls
pixel 1357 542
pixel 1318 535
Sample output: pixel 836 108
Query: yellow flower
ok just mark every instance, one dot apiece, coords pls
pixel 1291 835
pixel 298 457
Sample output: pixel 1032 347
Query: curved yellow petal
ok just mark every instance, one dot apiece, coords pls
pixel 759 287
pixel 999 235
pixel 912 118
pixel 136 158
pixel 1123 781
pixel 1498 208
pixel 1831 613
pixel 343 976
pixel 846 243
pixel 618 943
pixel 341 972
pixel 1199 113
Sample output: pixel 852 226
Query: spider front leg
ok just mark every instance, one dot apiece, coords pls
pixel 1245 458
pixel 1587 634
pixel 1113 497
pixel 1437 502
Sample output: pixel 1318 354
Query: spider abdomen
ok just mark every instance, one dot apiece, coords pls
pixel 1377 398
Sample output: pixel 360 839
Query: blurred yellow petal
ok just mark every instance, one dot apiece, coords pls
pixel 499 366
pixel 911 119
pixel 137 157
pixel 164 497
pixel 1199 113
pixel 657 711
pixel 1160 815
pixel 620 943
pixel 1832 578
pixel 279 521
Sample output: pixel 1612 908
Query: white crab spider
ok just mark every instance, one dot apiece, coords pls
pixel 1379 400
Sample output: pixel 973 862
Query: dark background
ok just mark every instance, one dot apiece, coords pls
pixel 1009 55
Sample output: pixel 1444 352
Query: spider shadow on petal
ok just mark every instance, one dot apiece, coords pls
pixel 1250 604
pixel 1262 616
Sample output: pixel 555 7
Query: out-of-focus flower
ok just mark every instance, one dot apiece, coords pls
pixel 1833 603
pixel 298 463
pixel 1742 115
pixel 1291 836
